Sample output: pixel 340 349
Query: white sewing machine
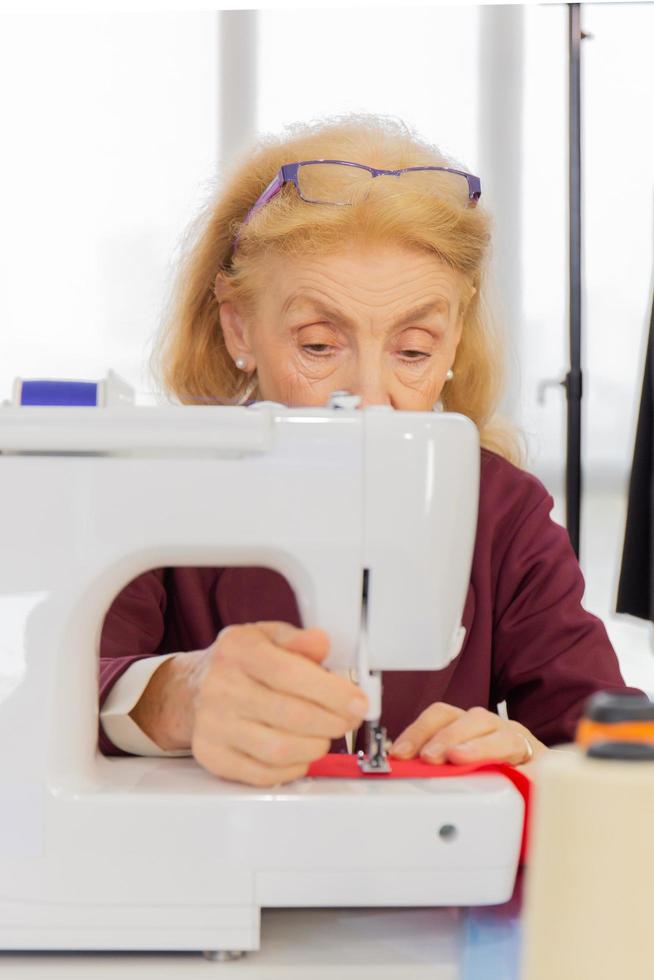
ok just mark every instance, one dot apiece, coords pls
pixel 157 854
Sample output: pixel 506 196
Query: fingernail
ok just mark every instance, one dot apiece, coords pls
pixel 463 747
pixel 358 707
pixel 402 748
pixel 433 748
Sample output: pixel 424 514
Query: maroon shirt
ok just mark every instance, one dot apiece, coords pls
pixel 528 640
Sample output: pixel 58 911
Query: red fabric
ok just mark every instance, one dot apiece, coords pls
pixel 344 766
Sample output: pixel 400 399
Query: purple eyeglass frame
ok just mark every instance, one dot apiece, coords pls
pixel 287 174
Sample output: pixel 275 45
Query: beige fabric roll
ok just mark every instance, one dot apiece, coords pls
pixel 589 899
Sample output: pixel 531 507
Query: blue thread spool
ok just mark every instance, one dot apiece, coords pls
pixel 53 392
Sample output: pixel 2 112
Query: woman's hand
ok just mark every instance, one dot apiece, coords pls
pixel 443 733
pixel 256 706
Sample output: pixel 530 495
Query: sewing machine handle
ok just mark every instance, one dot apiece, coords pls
pixel 191 428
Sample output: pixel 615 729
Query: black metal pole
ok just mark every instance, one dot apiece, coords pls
pixel 573 381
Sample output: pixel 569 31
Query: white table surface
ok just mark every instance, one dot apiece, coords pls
pixel 315 944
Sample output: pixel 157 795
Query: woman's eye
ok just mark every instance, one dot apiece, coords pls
pixel 414 355
pixel 318 350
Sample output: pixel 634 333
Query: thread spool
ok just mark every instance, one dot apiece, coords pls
pixel 51 392
pixel 588 897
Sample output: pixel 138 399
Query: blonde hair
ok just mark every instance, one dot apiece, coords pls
pixel 190 356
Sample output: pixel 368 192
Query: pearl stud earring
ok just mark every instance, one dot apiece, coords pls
pixel 449 375
pixel 241 363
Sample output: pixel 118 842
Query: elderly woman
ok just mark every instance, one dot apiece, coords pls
pixel 307 277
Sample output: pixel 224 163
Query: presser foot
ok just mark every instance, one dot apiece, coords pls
pixel 374 759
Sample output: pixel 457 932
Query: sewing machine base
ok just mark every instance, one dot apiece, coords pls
pixel 204 856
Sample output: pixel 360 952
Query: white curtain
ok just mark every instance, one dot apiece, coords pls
pixel 109 141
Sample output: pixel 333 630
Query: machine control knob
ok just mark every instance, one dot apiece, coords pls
pixel 343 399
pixel 257 406
pixel 617 725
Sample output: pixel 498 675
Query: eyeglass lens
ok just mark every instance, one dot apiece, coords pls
pixel 334 183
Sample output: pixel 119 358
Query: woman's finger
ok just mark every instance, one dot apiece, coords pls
pixel 280 750
pixel 255 702
pixel 312 643
pixel 471 725
pixel 427 724
pixel 227 763
pixel 504 745
pixel 293 673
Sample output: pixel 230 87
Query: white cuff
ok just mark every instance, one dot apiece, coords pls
pixel 123 696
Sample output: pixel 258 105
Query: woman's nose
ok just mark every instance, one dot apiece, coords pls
pixel 371 385
pixel 372 391
pixel 375 400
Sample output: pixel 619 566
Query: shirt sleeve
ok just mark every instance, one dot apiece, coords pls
pixel 133 630
pixel 549 653
pixel 119 727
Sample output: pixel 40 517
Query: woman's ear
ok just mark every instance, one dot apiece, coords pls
pixel 222 287
pixel 467 294
pixel 233 324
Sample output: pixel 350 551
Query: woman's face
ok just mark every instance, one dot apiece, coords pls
pixel 382 322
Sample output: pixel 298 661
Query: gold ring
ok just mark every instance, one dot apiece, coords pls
pixel 530 751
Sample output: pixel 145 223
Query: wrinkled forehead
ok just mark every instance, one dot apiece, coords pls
pixel 381 277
